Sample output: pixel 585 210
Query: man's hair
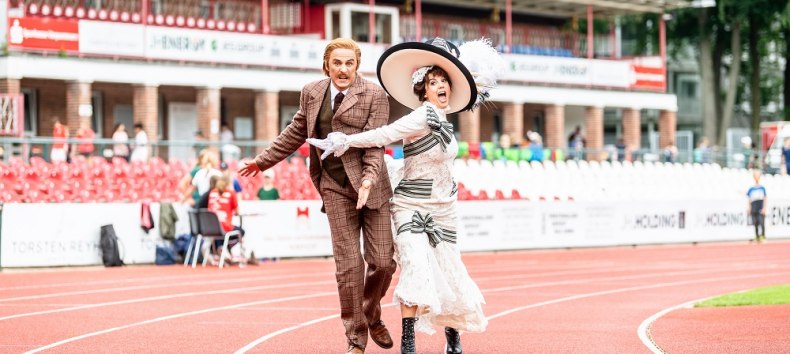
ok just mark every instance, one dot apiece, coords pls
pixel 419 88
pixel 341 43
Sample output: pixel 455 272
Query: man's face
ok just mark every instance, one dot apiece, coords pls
pixel 342 67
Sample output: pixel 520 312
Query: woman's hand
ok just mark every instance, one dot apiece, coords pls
pixel 250 169
pixel 363 193
pixel 335 142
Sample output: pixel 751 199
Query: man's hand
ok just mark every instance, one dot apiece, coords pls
pixel 364 192
pixel 250 169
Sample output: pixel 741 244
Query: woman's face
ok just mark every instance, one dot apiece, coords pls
pixel 437 90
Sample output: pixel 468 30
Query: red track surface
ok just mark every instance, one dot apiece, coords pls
pixel 571 301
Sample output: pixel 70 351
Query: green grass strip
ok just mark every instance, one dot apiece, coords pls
pixel 772 295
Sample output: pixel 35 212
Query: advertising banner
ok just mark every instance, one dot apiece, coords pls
pixel 43 33
pixel 285 228
pixel 70 234
pixel 112 39
pixel 299 229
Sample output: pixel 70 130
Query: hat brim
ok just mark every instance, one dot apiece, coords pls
pixel 397 64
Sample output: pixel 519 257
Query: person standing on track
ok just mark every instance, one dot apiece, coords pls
pixel 757 204
pixel 435 288
pixel 347 102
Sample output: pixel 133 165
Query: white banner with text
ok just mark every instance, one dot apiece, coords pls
pixel 70 235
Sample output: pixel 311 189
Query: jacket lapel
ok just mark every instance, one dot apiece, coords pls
pixel 314 105
pixel 351 98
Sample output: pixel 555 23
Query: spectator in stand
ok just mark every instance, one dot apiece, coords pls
pixel 535 146
pixel 223 166
pixel 620 146
pixel 786 156
pixel 140 152
pixel 576 144
pixel 202 202
pixel 222 201
pixel 85 135
pixel 226 136
pixel 670 152
pixel 60 133
pixel 120 140
pixel 202 179
pixel 702 154
pixel 190 194
pixel 267 190
pixel 757 203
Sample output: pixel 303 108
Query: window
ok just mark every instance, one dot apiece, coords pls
pixel 688 89
pixel 31 111
pixel 97 120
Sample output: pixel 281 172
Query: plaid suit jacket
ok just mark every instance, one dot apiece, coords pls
pixel 365 107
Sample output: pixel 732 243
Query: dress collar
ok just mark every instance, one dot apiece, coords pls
pixel 435 108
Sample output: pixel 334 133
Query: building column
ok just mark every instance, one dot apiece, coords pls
pixel 470 126
pixel 667 126
pixel 145 105
pixel 208 112
pixel 267 116
pixel 632 129
pixel 513 122
pixel 555 126
pixel 593 121
pixel 78 105
pixel 11 86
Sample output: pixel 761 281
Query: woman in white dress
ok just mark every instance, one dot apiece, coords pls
pixel 434 287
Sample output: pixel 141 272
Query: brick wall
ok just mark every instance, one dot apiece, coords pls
pixel 145 104
pixel 112 95
pixel 267 115
pixel 593 123
pixel 632 128
pixel 11 86
pixel 236 103
pixel 555 126
pixel 208 113
pixel 667 126
pixel 51 103
pixel 470 126
pixel 513 121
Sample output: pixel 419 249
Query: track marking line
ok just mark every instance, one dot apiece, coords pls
pixel 643 331
pixel 179 315
pixel 622 290
pixel 271 335
pixel 163 297
pixel 153 286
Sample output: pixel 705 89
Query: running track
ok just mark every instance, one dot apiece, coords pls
pixel 546 301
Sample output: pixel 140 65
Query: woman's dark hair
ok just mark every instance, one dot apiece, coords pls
pixel 419 88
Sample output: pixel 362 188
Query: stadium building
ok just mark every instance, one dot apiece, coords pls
pixel 181 66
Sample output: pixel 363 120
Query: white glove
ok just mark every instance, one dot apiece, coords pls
pixel 335 142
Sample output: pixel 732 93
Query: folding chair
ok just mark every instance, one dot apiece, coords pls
pixel 211 228
pixel 194 228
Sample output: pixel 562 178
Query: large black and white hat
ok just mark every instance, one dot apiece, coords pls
pixel 404 64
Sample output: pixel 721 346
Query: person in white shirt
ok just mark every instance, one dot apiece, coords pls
pixel 140 152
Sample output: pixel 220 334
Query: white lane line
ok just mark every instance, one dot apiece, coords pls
pixel 271 335
pixel 97 282
pixel 633 288
pixel 165 297
pixel 570 282
pixel 178 315
pixel 643 331
pixel 154 286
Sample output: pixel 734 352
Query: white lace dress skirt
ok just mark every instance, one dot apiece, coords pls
pixel 434 278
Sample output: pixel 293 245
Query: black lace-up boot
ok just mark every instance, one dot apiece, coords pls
pixel 453 341
pixel 407 345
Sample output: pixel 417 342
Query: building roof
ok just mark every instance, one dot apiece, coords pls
pixel 570 8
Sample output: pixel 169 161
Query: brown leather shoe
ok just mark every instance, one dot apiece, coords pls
pixel 380 335
pixel 352 349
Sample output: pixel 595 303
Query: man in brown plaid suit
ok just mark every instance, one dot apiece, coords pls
pixel 355 187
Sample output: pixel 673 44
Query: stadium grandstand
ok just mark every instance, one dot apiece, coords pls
pixel 190 71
